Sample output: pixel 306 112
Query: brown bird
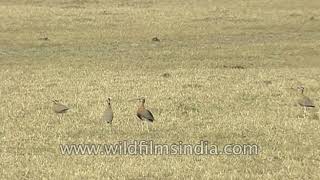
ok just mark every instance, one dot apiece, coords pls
pixel 156 39
pixel 59 108
pixel 304 101
pixel 108 113
pixel 144 114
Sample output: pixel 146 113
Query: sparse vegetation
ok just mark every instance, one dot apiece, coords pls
pixel 224 71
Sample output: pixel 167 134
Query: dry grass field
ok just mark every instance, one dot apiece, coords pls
pixel 232 68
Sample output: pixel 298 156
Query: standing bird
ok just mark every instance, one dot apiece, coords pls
pixel 143 113
pixel 108 113
pixel 156 39
pixel 304 100
pixel 59 108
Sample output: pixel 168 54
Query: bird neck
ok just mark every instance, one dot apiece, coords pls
pixel 142 105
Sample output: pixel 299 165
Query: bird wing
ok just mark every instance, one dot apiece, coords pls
pixel 139 115
pixel 307 102
pixel 60 108
pixel 145 114
pixel 148 115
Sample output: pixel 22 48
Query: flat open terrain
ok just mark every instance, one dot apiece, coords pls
pixel 223 72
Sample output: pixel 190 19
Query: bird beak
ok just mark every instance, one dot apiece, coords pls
pixel 134 99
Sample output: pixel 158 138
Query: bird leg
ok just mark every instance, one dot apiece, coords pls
pixel 304 112
pixel 111 128
pixel 318 114
pixel 139 123
pixel 149 125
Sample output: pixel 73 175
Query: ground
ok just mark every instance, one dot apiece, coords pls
pixel 223 71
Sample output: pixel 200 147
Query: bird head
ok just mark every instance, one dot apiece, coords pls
pixel 300 88
pixel 109 100
pixel 55 101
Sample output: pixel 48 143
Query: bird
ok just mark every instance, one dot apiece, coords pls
pixel 108 113
pixel 59 108
pixel 43 37
pixel 166 75
pixel 304 101
pixel 156 39
pixel 144 114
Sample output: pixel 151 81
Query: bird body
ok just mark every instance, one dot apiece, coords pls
pixel 108 113
pixel 59 108
pixel 144 114
pixel 156 39
pixel 304 100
